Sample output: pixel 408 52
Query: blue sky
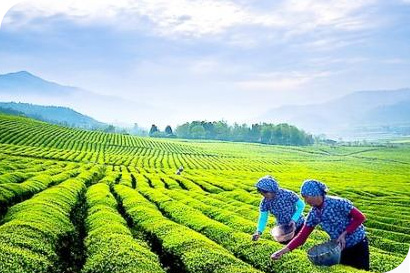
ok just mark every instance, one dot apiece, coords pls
pixel 212 60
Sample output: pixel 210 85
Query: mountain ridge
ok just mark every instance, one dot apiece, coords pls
pixel 53 114
pixel 25 82
pixel 347 113
pixel 25 87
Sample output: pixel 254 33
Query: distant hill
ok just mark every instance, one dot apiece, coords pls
pixel 10 111
pixel 25 87
pixel 53 114
pixel 395 114
pixel 25 83
pixel 351 115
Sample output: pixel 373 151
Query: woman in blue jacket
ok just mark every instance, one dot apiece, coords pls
pixel 284 205
pixel 338 218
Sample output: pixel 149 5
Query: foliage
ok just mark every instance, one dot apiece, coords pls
pixel 142 216
pixel 110 244
pixel 34 228
pixel 193 251
pixel 281 134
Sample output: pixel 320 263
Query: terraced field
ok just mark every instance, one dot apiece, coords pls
pixel 82 201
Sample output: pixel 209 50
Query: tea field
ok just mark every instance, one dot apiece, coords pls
pixel 85 201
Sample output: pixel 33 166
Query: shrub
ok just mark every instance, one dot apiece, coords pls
pixel 110 244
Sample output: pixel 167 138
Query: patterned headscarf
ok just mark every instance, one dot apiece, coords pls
pixel 313 188
pixel 268 183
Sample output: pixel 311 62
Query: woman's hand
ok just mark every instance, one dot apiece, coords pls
pixel 342 240
pixel 256 236
pixel 278 254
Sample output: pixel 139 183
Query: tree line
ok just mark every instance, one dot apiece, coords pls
pixel 266 133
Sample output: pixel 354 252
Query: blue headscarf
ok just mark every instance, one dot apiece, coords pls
pixel 268 183
pixel 313 188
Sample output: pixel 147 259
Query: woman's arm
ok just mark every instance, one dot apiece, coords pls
pixel 299 240
pixel 300 206
pixel 262 221
pixel 357 218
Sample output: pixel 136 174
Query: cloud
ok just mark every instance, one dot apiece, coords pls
pixel 326 61
pixel 280 81
pixel 5 6
pixel 26 13
pixel 200 18
pixel 343 14
pixel 185 17
pixel 332 43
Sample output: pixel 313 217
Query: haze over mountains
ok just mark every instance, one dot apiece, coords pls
pixel 52 114
pixel 364 114
pixel 359 113
pixel 25 87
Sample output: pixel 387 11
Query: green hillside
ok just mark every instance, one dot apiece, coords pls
pixel 52 114
pixel 85 201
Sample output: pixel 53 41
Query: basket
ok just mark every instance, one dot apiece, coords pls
pixel 283 233
pixel 326 254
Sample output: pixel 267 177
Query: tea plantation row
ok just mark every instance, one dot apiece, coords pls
pixel 82 201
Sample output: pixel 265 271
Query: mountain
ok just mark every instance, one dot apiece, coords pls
pixel 25 83
pixel 52 114
pixel 25 87
pixel 349 116
pixel 12 112
pixel 394 114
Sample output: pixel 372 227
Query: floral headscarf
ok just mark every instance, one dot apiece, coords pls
pixel 313 188
pixel 268 184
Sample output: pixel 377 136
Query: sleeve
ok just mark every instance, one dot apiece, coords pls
pixel 263 206
pixel 301 238
pixel 300 206
pixel 345 206
pixel 263 219
pixel 357 219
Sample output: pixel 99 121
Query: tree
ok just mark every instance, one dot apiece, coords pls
pixel 276 135
pixel 136 130
pixel 198 132
pixel 158 134
pixel 183 131
pixel 168 131
pixel 153 130
pixel 266 134
pixel 209 129
pixel 222 131
pixel 255 133
pixel 109 129
pixel 239 132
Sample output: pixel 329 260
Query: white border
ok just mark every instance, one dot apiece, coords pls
pixel 404 267
pixel 6 5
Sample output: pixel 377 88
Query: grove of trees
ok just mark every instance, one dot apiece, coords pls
pixel 266 133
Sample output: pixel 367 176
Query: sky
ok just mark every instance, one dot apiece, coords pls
pixel 210 59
